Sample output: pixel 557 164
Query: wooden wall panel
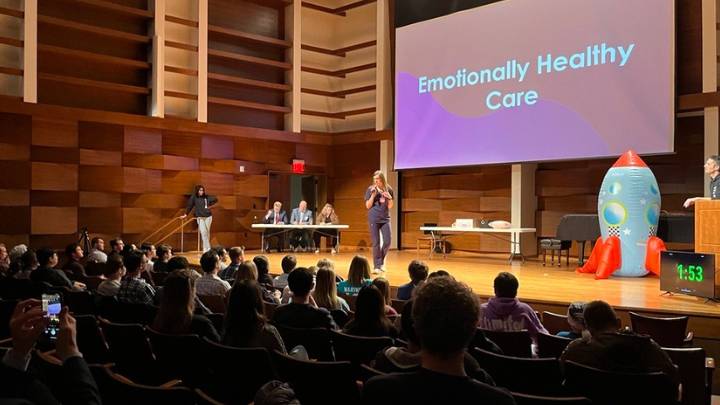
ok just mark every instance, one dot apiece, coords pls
pixel 53 176
pixel 54 220
pixel 56 133
pixel 142 140
pixel 90 157
pixel 97 200
pixel 10 151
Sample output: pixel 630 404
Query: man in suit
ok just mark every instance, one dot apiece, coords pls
pixel 300 238
pixel 275 216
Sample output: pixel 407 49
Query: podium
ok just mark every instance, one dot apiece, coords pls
pixel 707 226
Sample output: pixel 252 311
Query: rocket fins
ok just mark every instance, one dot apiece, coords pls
pixel 609 260
pixel 655 245
pixel 591 264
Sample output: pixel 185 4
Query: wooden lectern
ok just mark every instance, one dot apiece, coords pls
pixel 707 227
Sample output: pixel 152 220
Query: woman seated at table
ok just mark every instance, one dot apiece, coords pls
pixel 326 216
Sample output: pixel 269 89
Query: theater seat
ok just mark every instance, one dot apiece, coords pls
pixel 512 343
pixel 131 352
pixel 539 376
pixel 316 341
pixel 696 374
pixel 358 349
pixel 555 323
pixel 116 389
pixel 667 332
pixel 525 399
pixel 551 345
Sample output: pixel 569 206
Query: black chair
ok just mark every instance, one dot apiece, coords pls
pixel 437 242
pixel 180 356
pixel 551 345
pixel 132 313
pixel 19 289
pixel 90 340
pixel 667 332
pixel 218 321
pixel 696 374
pixel 618 388
pixel 80 302
pixel 358 349
pixel 366 372
pixel 555 323
pixel 526 399
pixel 131 352
pixel 555 245
pixel 398 305
pixel 539 376
pixel 319 382
pixel 316 341
pixel 235 374
pixel 7 307
pixel 482 341
pixel 513 343
pixel 116 389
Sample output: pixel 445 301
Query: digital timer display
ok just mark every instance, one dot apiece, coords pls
pixel 688 273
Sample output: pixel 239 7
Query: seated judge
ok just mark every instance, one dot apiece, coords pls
pixel 326 216
pixel 300 238
pixel 712 169
pixel 275 216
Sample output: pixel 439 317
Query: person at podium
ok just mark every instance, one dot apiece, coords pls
pixel 712 169
pixel 275 216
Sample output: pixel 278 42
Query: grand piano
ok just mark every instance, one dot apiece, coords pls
pixel 582 228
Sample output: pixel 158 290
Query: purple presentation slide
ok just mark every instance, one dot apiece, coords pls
pixel 530 80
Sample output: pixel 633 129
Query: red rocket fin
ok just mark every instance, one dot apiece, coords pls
pixel 591 264
pixel 609 260
pixel 655 245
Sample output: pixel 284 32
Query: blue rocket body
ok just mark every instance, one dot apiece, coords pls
pixel 629 208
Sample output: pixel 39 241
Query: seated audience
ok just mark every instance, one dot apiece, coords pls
pixel 401 359
pixel 150 252
pixel 445 315
pixel 223 255
pixel 46 271
pixel 248 271
pixel 505 312
pixel 575 320
pixel 439 273
pixel 163 256
pixel 73 268
pixel 263 267
pixel 384 287
pixel 607 348
pixel 26 264
pixel 245 322
pixel 133 288
pixel 114 272
pixel 237 256
pixel 325 293
pixel 97 251
pixel 210 283
pixel 176 315
pixel 176 263
pixel 418 274
pixel 4 259
pixel 358 276
pixel 21 387
pixel 370 319
pixel 117 246
pixel 288 264
pixel 17 251
pixel 301 312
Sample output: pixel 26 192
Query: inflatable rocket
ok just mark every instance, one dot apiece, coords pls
pixel 628 211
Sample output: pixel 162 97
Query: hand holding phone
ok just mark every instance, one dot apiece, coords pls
pixel 27 323
pixel 52 305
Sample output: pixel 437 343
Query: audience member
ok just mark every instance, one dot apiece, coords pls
pixel 418 272
pixel 17 251
pixel 210 283
pixel 506 312
pixel 26 264
pixel 46 271
pixel 97 251
pixel 176 263
pixel 73 268
pixel 384 287
pixel 370 319
pixel 150 252
pixel 223 255
pixel 325 263
pixel 245 322
pixel 176 315
pixel 237 256
pixel 263 268
pixel 401 359
pixel 439 273
pixel 117 245
pixel 606 348
pixel 325 293
pixel 445 315
pixel 132 249
pixel 248 271
pixel 301 312
pixel 114 272
pixel 358 276
pixel 133 288
pixel 164 253
pixel 4 259
pixel 576 321
pixel 76 386
pixel 288 264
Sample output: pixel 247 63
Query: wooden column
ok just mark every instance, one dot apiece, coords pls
pixel 157 100
pixel 202 79
pixel 709 75
pixel 383 93
pixel 293 98
pixel 30 53
pixel 523 204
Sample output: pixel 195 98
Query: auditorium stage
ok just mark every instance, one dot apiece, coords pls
pixel 549 287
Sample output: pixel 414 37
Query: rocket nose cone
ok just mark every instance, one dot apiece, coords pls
pixel 630 158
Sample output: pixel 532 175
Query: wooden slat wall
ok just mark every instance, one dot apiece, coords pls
pixel 442 195
pixel 62 173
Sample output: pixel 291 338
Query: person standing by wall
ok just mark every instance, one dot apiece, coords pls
pixel 201 203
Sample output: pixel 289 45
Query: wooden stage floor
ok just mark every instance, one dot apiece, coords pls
pixel 551 286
